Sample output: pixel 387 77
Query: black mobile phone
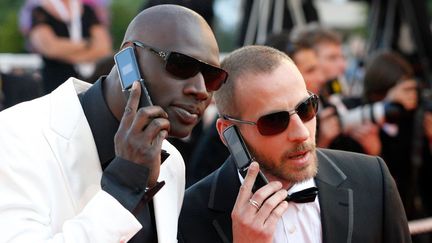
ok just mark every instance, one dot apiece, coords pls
pixel 128 71
pixel 241 155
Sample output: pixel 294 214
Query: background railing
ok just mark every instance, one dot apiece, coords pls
pixel 8 62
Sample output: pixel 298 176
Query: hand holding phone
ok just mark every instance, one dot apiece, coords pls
pixel 128 71
pixel 248 210
pixel 140 135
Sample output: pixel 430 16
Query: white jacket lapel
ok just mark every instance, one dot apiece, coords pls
pixel 71 140
pixel 168 201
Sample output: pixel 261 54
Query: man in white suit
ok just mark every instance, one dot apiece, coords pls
pixel 84 164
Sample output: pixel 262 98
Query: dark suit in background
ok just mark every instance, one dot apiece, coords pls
pixel 208 155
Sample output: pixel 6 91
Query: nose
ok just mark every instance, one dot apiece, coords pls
pixel 196 87
pixel 297 130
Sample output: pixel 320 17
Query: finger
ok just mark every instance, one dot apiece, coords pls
pixel 271 201
pixel 131 106
pixel 145 115
pixel 134 96
pixel 276 215
pixel 245 191
pixel 265 196
pixel 266 191
pixel 155 127
pixel 160 138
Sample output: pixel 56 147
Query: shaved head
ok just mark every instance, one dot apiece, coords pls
pixel 165 25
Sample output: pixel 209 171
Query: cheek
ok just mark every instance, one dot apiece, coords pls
pixel 162 89
pixel 267 152
pixel 260 144
pixel 311 126
pixel 155 90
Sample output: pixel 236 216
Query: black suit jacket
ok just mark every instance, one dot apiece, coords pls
pixel 358 199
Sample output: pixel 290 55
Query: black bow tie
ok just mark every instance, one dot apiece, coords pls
pixel 304 196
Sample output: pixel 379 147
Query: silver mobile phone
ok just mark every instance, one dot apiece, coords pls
pixel 128 71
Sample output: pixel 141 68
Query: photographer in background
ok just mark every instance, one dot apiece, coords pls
pixel 390 77
pixel 331 60
pixel 328 47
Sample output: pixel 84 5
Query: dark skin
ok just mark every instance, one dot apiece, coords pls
pixel 178 104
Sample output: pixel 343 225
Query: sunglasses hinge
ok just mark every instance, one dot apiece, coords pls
pixel 162 54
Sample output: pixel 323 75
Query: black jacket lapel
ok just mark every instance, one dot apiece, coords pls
pixel 336 203
pixel 223 195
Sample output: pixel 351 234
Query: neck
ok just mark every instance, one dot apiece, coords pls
pixel 113 94
pixel 285 184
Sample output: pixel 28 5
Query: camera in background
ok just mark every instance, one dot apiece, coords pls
pixel 353 116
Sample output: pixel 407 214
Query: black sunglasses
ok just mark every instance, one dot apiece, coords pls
pixel 183 66
pixel 277 122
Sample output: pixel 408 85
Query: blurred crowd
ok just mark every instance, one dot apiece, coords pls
pixel 388 112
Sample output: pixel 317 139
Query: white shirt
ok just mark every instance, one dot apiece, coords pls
pixel 301 222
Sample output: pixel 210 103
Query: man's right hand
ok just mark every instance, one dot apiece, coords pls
pixel 404 93
pixel 255 216
pixel 140 134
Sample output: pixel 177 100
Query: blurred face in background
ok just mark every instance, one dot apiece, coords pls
pixel 306 61
pixel 331 59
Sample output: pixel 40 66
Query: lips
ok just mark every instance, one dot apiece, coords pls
pixel 298 155
pixel 187 114
pixel 299 159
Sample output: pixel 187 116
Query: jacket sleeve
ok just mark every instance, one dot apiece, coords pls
pixel 395 220
pixel 23 218
pixel 39 202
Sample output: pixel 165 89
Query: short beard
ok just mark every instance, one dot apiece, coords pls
pixel 282 170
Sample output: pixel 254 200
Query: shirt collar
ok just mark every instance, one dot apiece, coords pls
pixel 103 123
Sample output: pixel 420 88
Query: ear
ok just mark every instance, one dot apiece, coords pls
pixel 221 125
pixel 126 44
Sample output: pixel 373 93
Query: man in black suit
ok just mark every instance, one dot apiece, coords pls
pixel 266 98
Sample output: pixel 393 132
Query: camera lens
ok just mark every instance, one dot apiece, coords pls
pixel 393 112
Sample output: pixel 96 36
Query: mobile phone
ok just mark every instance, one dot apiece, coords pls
pixel 242 157
pixel 129 72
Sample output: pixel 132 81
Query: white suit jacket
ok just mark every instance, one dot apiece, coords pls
pixel 50 177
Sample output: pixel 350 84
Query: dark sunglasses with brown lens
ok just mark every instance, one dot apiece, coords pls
pixel 183 66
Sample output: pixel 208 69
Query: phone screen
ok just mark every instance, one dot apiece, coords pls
pixel 127 67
